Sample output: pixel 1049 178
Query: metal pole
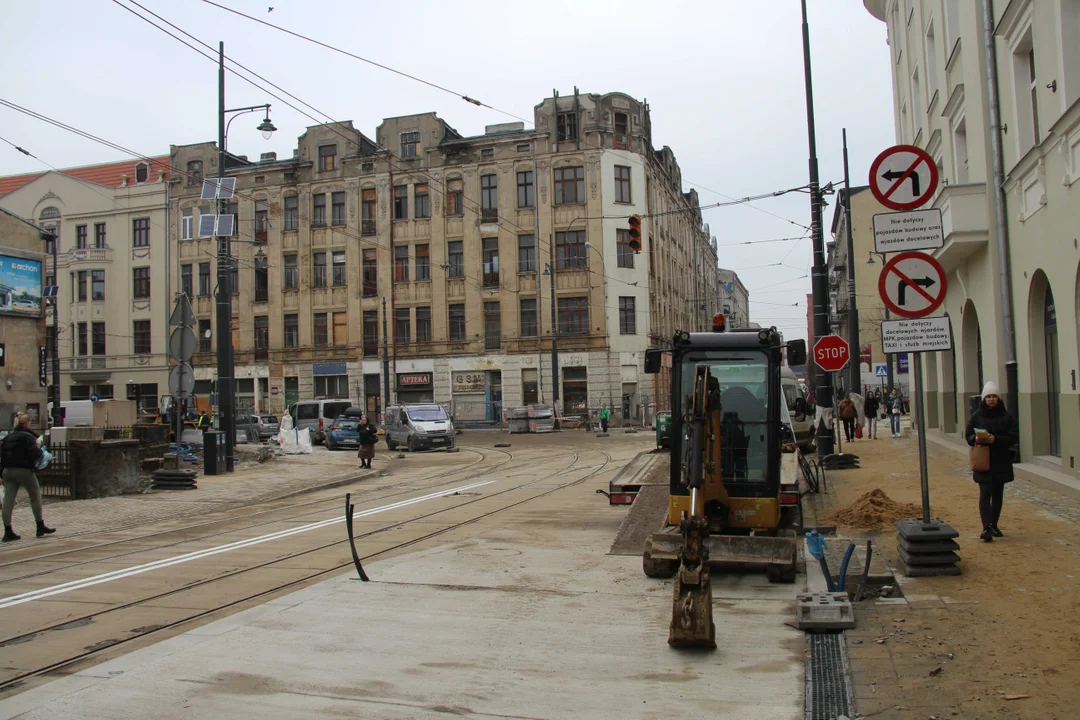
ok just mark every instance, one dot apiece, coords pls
pixel 224 298
pixel 819 274
pixel 385 360
pixel 854 371
pixel 539 281
pixel 57 412
pixel 554 329
pixel 920 427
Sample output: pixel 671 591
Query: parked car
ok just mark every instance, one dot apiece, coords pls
pixel 418 427
pixel 317 416
pixel 343 433
pixel 267 425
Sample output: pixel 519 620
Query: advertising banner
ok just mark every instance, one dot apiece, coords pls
pixel 20 286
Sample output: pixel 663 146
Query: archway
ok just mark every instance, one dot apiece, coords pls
pixel 971 350
pixel 1045 368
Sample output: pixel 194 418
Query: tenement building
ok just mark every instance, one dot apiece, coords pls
pixel 450 264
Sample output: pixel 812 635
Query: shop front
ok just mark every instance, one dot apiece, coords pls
pixel 477 395
pixel 415 388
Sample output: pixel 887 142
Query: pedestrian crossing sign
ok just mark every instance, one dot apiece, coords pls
pixel 880 370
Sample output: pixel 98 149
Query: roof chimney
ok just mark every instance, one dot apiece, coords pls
pixel 268 157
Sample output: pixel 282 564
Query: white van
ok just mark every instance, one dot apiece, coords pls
pixel 418 427
pixel 317 416
pixel 77 413
pixel 802 415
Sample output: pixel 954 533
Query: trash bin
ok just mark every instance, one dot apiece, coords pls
pixel 214 453
pixel 663 430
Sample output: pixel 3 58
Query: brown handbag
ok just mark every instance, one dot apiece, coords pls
pixel 980 458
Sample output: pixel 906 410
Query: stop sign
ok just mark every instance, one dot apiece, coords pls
pixel 831 353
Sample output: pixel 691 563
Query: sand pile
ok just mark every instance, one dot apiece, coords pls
pixel 874 511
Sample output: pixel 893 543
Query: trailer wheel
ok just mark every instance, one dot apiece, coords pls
pixel 783 573
pixel 657 568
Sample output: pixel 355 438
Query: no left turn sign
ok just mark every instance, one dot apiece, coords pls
pixel 903 177
pixel 912 284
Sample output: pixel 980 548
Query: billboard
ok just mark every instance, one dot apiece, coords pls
pixel 20 286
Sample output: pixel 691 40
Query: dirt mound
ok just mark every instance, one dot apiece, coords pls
pixel 874 511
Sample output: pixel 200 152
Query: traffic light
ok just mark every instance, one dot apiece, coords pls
pixel 635 233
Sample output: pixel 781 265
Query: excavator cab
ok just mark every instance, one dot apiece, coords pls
pixel 733 493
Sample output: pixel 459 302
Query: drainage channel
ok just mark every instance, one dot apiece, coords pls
pixel 828 677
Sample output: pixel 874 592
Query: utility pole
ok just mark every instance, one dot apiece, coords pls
pixel 224 297
pixel 539 281
pixel 554 330
pixel 54 351
pixel 385 361
pixel 819 273
pixel 854 366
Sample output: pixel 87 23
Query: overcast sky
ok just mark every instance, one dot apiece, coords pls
pixel 724 80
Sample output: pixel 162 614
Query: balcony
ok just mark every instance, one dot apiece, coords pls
pixel 489 215
pixel 85 255
pixel 367 227
pixel 964 222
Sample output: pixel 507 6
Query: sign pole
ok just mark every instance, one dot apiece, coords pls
pixel 920 423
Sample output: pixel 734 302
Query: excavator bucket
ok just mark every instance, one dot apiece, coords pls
pixel 777 554
pixel 691 616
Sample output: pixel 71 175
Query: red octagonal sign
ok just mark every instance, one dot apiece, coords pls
pixel 831 353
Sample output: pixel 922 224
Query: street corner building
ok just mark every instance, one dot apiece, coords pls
pixel 22 321
pixel 1000 115
pixel 448 264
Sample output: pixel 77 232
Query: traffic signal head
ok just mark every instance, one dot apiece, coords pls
pixel 635 233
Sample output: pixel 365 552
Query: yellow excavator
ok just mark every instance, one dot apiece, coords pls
pixel 733 490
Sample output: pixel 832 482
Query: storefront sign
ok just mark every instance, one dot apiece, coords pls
pixel 413 379
pixel 469 382
pixel 335 368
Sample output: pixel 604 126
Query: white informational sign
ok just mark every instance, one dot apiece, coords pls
pixel 911 230
pixel 919 335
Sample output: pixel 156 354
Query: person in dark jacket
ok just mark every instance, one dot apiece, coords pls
pixel 870 409
pixel 19 455
pixel 368 437
pixel 992 425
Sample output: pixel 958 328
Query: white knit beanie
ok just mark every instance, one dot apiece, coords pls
pixel 990 389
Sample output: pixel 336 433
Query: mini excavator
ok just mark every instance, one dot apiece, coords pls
pixel 733 493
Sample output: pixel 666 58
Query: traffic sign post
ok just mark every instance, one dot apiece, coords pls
pixel 913 284
pixel 903 177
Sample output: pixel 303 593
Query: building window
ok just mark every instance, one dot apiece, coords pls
pixel 234 282
pixel 528 317
pixel 187 224
pixel 204 336
pixel 1033 85
pixel 80 392
pixel 262 221
pixel 367 212
pixel 233 208
pixel 291 274
pixel 331 386
pixel 371 333
pixel 524 147
pixel 401 202
pixel 487 153
pixel 80 237
pixel 318 210
pixel 292 331
pixel 423 324
pixel 262 281
pixel 141 229
pixel 454 197
pixel 455 259
pixel 402 329
pixel 204 279
pixel 573 316
pixel 960 151
pixel 320 338
pixel 489 198
pixel 99 233
pixel 318 270
pixel 187 284
pixel 142 337
pixel 525 198
pixel 569 185
pixel 627 316
pixel 421 202
pixel 142 172
pixel 338 270
pixel 492 325
pixel 98 338
pixel 401 263
pixel 83 345
pixel 457 323
pixel 262 337
pixel 140 283
pixel 624 255
pixel 410 144
pixel 327 158
pixel 337 208
pixel 291 221
pixel 570 250
pixel 194 172
pixel 566 126
pixel 370 269
pixel 82 285
pixel 341 328
pixel 526 254
pixel 50 241
pixel 622 132
pixel 97 284
pixel 423 262
pixel 490 259
pixel 622 184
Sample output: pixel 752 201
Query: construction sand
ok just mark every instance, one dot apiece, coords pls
pixel 874 511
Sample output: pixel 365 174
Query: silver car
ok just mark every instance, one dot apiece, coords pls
pixel 267 425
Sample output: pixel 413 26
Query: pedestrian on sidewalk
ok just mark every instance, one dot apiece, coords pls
pixel 993 426
pixel 849 414
pixel 895 406
pixel 368 436
pixel 605 414
pixel 870 409
pixel 19 456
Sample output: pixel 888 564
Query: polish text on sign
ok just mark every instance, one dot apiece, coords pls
pixel 922 335
pixel 906 231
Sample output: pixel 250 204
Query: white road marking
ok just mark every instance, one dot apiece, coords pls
pixel 199 554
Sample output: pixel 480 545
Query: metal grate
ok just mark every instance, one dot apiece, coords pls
pixel 828 684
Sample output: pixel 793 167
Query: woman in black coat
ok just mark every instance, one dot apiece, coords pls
pixel 368 436
pixel 1000 434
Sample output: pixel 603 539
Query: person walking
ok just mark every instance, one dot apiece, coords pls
pixel 848 414
pixel 992 426
pixel 870 409
pixel 605 415
pixel 19 456
pixel 895 406
pixel 368 436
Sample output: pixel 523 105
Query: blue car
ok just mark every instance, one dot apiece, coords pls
pixel 343 433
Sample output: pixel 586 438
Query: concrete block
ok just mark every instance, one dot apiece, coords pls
pixel 824 611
